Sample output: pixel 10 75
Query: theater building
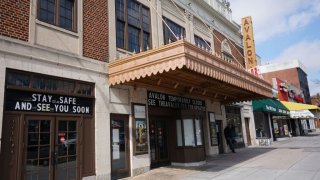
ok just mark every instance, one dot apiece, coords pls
pixel 110 89
pixel 176 73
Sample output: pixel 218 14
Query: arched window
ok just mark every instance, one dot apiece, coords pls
pixel 226 51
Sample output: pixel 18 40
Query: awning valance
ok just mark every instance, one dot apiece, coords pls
pixel 292 106
pixel 302 114
pixel 185 69
pixel 270 105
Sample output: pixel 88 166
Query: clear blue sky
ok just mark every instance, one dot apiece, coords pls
pixel 285 30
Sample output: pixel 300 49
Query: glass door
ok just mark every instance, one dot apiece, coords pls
pixel 39 164
pixel 158 143
pixel 51 148
pixel 119 146
pixel 66 149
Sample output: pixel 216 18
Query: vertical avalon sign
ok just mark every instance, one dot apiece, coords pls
pixel 248 42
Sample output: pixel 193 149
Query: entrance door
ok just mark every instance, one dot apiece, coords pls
pixel 219 135
pixel 51 148
pixel 120 163
pixel 247 120
pixel 158 143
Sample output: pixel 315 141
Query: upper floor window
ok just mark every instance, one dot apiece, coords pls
pixel 226 51
pixel 40 82
pixel 132 25
pixel 200 42
pixel 177 31
pixel 60 13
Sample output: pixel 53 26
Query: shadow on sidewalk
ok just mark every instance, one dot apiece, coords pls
pixel 220 162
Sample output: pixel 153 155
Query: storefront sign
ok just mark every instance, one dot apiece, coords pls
pixel 48 103
pixel 248 41
pixel 176 102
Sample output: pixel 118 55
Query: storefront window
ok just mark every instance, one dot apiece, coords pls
pixel 280 127
pixel 188 132
pixel 198 132
pixel 213 129
pixel 33 81
pixel 179 132
pixel 18 79
pixel 192 132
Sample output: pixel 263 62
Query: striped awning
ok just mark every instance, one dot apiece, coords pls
pixel 301 114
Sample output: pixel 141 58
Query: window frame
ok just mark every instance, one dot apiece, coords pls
pixel 134 128
pixel 206 44
pixel 226 51
pixel 193 118
pixel 166 31
pixel 32 77
pixel 124 19
pixel 56 15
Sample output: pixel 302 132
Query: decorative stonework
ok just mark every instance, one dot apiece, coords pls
pixel 189 15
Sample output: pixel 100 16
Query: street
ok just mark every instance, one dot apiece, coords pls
pixel 295 159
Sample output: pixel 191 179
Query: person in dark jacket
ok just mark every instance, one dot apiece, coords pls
pixel 229 134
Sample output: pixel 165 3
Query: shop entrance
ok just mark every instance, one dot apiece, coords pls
pixel 51 148
pixel 120 154
pixel 158 142
pixel 220 136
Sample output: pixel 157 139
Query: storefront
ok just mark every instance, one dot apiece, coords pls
pixel 176 129
pixel 270 119
pixel 280 126
pixel 177 98
pixel 48 127
pixel 302 120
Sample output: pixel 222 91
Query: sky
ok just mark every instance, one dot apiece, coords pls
pixel 285 30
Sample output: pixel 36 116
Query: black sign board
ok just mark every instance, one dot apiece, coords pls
pixel 177 102
pixel 17 100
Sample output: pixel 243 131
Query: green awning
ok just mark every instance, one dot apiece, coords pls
pixel 270 105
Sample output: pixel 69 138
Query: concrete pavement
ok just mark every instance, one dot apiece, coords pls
pixel 294 159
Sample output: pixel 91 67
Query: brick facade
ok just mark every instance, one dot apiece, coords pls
pixel 289 75
pixel 95 29
pixel 292 76
pixel 235 49
pixel 14 19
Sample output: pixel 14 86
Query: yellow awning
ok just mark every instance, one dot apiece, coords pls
pixel 292 106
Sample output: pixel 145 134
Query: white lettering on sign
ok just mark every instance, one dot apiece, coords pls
pixel 22 106
pixel 39 102
pixel 43 107
pixel 61 108
pixel 41 98
pixel 67 100
pixel 80 109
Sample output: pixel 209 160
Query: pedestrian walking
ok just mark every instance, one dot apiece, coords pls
pixel 230 134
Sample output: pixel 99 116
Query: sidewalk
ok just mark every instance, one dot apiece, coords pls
pixel 295 159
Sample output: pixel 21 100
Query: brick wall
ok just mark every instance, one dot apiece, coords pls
pixel 235 49
pixel 95 29
pixel 14 19
pixel 289 75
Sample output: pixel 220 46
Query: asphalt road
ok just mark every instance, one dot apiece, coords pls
pixel 295 159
